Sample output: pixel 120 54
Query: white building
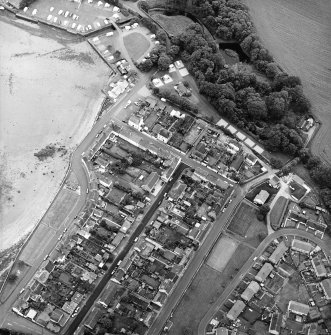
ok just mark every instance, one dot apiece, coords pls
pixel 135 122
pixel 261 198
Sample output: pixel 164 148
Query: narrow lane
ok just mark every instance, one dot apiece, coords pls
pixel 98 289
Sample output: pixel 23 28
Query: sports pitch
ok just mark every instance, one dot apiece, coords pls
pixel 222 253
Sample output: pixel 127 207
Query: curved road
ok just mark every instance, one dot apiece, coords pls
pixel 215 307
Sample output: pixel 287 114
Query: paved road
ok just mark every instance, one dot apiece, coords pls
pixel 216 306
pixel 194 266
pixel 72 327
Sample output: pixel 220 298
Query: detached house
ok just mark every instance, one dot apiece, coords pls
pixel 164 135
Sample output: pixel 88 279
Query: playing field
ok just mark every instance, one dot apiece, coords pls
pixel 222 252
pixel 136 44
pixel 205 288
pixel 298 35
pixel 173 24
pixel 244 217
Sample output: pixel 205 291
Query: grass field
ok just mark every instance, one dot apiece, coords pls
pixel 243 218
pixel 277 212
pixel 136 44
pixel 221 253
pixel 204 290
pixel 173 24
pixel 298 35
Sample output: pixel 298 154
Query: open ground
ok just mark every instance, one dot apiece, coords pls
pixel 50 94
pixel 204 290
pixel 298 35
pixel 173 24
pixel 246 227
pixel 221 253
pixel 136 44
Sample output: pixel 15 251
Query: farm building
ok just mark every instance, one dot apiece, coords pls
pixel 264 272
pixel 278 253
pixel 236 310
pixel 261 198
pixel 298 308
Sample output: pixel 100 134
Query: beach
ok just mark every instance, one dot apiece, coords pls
pixel 50 93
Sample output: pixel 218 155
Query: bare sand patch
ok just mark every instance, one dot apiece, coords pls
pixel 50 94
pixel 222 253
pixel 298 35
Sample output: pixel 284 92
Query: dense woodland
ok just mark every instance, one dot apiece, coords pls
pixel 268 110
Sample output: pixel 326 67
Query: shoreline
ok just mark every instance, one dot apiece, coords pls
pixel 32 185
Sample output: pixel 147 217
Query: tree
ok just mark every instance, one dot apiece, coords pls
pixel 276 163
pixel 164 62
pixel 145 66
pixel 117 54
pixel 12 277
pixel 256 106
pixel 277 103
pixel 263 211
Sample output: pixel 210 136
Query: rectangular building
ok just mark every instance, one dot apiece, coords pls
pixel 301 246
pixel 264 272
pixel 236 310
pixel 319 267
pixel 278 253
pixel 298 308
pixel 275 324
pixel 250 290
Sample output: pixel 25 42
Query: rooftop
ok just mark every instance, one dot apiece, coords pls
pixel 302 246
pixel 236 309
pixel 298 308
pixel 264 272
pixel 278 253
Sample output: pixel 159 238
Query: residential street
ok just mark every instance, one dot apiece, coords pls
pixel 204 322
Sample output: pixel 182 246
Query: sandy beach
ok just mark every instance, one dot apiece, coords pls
pixel 49 94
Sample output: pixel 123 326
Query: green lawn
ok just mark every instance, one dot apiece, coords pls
pixel 173 24
pixel 204 291
pixel 136 44
pixel 245 224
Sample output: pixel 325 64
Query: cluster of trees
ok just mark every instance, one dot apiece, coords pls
pixel 269 112
pixel 320 173
pixel 159 57
pixel 176 100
